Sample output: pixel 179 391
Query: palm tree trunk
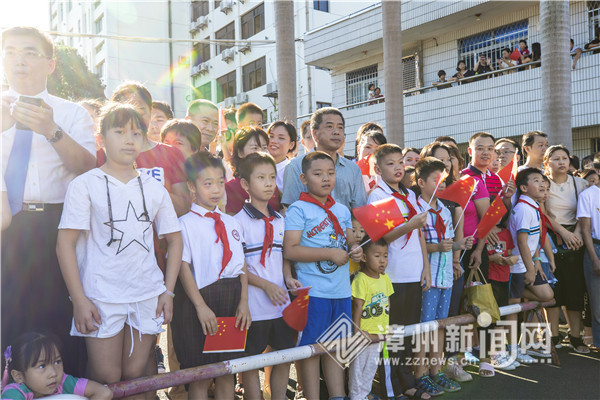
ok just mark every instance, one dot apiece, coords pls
pixel 555 29
pixel 392 73
pixel 286 59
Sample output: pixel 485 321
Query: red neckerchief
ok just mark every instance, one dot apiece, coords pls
pixel 544 222
pixel 268 242
pixel 221 232
pixel 327 207
pixel 411 211
pixel 440 227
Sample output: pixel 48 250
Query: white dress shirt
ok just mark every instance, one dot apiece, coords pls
pixel 47 176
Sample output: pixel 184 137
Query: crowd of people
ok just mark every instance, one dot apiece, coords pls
pixel 119 219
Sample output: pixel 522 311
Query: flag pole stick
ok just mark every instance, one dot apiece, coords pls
pixel 434 192
pixel 360 245
pixel 463 254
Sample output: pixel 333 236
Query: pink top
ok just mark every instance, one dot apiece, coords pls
pixel 471 217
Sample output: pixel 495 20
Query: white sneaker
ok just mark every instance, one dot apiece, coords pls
pixel 539 353
pixel 501 362
pixel 522 358
pixel 453 370
pixel 471 359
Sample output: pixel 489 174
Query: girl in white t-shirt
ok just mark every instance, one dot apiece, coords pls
pixel 106 253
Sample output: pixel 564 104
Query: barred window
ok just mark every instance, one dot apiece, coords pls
pixel 491 43
pixel 254 74
pixel 358 82
pixel 199 9
pixel 594 19
pixel 201 52
pixel 410 72
pixel 228 32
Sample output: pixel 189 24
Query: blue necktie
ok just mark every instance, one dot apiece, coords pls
pixel 16 169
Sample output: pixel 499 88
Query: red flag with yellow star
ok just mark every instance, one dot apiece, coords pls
pixel 227 339
pixel 379 218
pixel 491 217
pixel 510 170
pixel 296 313
pixel 222 121
pixel 459 192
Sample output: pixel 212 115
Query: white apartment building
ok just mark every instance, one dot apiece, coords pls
pixel 231 75
pixel 116 60
pixel 435 35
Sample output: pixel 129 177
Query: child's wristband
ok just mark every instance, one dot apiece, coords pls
pixel 537 259
pixel 170 293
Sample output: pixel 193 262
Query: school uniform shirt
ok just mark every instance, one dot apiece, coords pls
pixel 253 236
pixel 349 188
pixel 442 274
pixel 125 271
pixel 280 172
pixel 202 251
pixel 405 258
pixel 524 219
pixel 47 176
pixel 375 293
pixel 328 280
pixel 589 207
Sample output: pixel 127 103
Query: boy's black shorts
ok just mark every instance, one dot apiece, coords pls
pixel 270 332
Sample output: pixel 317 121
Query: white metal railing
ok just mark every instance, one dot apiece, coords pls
pixel 449 83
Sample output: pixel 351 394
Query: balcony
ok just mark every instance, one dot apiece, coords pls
pixel 505 105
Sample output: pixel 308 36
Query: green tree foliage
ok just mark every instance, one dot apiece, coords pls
pixel 71 79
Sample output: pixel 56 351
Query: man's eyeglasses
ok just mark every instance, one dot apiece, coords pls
pixel 505 153
pixel 28 55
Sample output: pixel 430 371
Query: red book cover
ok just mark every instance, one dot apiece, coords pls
pixel 459 192
pixel 296 313
pixel 227 339
pixel 492 216
pixel 379 218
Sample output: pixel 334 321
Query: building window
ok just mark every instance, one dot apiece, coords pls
pixel 100 70
pixel 98 24
pixel 203 92
pixel 226 86
pixel 84 20
pixel 69 6
pixel 491 43
pixel 254 74
pixel 322 104
pixel 228 32
pixel 199 9
pixel 594 19
pixel 217 4
pixel 358 82
pixel 321 5
pixel 253 21
pixel 410 72
pixel 201 52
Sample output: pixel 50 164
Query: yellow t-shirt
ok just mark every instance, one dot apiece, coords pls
pixel 375 293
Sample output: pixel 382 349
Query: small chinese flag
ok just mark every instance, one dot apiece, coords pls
pixel 491 217
pixel 510 170
pixel 460 191
pixel 222 121
pixel 227 339
pixel 442 178
pixel 367 165
pixel 515 55
pixel 296 313
pixel 379 218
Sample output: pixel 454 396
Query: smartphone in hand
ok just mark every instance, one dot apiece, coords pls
pixel 31 100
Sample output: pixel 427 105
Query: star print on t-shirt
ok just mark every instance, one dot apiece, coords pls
pixel 133 229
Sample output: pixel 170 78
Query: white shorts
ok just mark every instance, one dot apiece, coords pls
pixel 140 315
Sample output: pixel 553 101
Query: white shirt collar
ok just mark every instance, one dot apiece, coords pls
pixel 529 200
pixel 44 95
pixel 201 210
